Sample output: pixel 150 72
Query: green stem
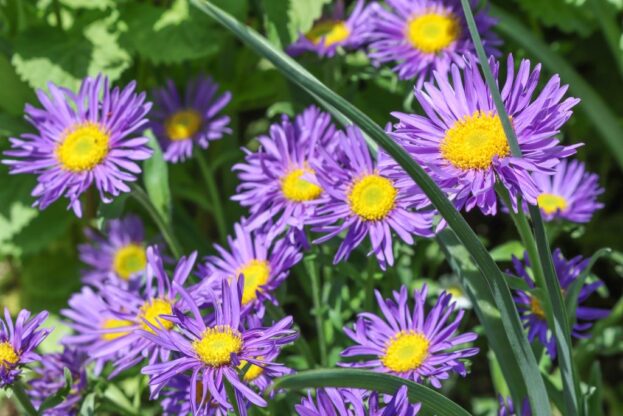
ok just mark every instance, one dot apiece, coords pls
pixel 231 396
pixel 311 265
pixel 217 207
pixel 141 197
pixel 23 399
pixel 56 5
pixel 369 301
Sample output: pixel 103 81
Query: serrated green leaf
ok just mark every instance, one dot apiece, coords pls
pixel 156 179
pixel 12 99
pixel 562 14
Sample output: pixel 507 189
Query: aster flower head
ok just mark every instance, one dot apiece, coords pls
pixel 277 182
pixel 263 260
pixel 84 138
pixel 422 36
pixel 333 402
pixel 215 349
pixel 194 119
pixel 50 379
pixel 363 200
pixel 569 194
pixel 413 345
pixel 461 141
pixel 532 312
pixel 397 405
pixel 119 256
pixel 18 342
pixel 328 34
pixel 174 399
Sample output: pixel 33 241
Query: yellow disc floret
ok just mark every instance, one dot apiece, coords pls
pixel 8 356
pixel 113 323
pixel 128 260
pixel 253 372
pixel 551 204
pixel 217 344
pixel 372 197
pixel 406 351
pixel 183 124
pixel 536 308
pixel 83 147
pixel 432 32
pixel 328 33
pixel 151 312
pixel 473 142
pixel 256 273
pixel 298 189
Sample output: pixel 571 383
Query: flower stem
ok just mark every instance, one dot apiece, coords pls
pixel 311 265
pixel 369 300
pixel 217 207
pixel 57 13
pixel 231 396
pixel 142 198
pixel 23 399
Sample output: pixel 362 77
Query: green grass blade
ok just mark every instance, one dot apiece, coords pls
pixel 433 403
pixel 490 274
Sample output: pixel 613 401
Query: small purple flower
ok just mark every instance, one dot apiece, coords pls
pixel 174 399
pixel 180 123
pixel 570 194
pixel 460 139
pixel 263 261
pixel 508 409
pixel 413 345
pixel 18 343
pixel 363 200
pixel 277 180
pixel 50 379
pixel 84 138
pixel 422 36
pixel 214 352
pixel 398 405
pixel 118 257
pixel 327 34
pixel 531 309
pixel 333 402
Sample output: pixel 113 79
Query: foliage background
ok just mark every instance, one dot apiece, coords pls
pixel 150 41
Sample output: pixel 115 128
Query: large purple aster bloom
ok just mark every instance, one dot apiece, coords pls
pixel 422 36
pixel 531 310
pixel 570 194
pixel 327 34
pixel 413 345
pixel 18 343
pixel 213 352
pixel 84 138
pixel 277 181
pixel 181 123
pixel 364 201
pixel 117 257
pixel 461 141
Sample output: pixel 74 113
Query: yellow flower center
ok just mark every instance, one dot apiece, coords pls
pixel 297 189
pixel 455 291
pixel 151 312
pixel 256 273
pixel 128 260
pixel 328 32
pixel 217 344
pixel 372 197
pixel 432 32
pixel 183 125
pixel 114 324
pixel 473 142
pixel 551 204
pixel 8 356
pixel 406 351
pixel 536 308
pixel 83 148
pixel 253 372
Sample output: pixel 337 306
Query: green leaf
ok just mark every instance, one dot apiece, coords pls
pixel 506 251
pixel 58 397
pixel 284 21
pixel 573 291
pixel 156 178
pixel 562 14
pixel 433 403
pixel 12 99
pixel 89 4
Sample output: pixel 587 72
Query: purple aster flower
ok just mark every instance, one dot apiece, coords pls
pixel 363 200
pixel 571 193
pixel 84 138
pixel 50 379
pixel 327 34
pixel 18 343
pixel 333 402
pixel 416 346
pixel 118 257
pixel 214 352
pixel 277 180
pixel 461 140
pixel 174 399
pixel 180 123
pixel 508 409
pixel 397 405
pixel 422 36
pixel 531 309
pixel 263 261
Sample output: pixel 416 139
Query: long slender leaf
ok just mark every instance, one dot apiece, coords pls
pixel 433 403
pixel 491 276
pixel 156 179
